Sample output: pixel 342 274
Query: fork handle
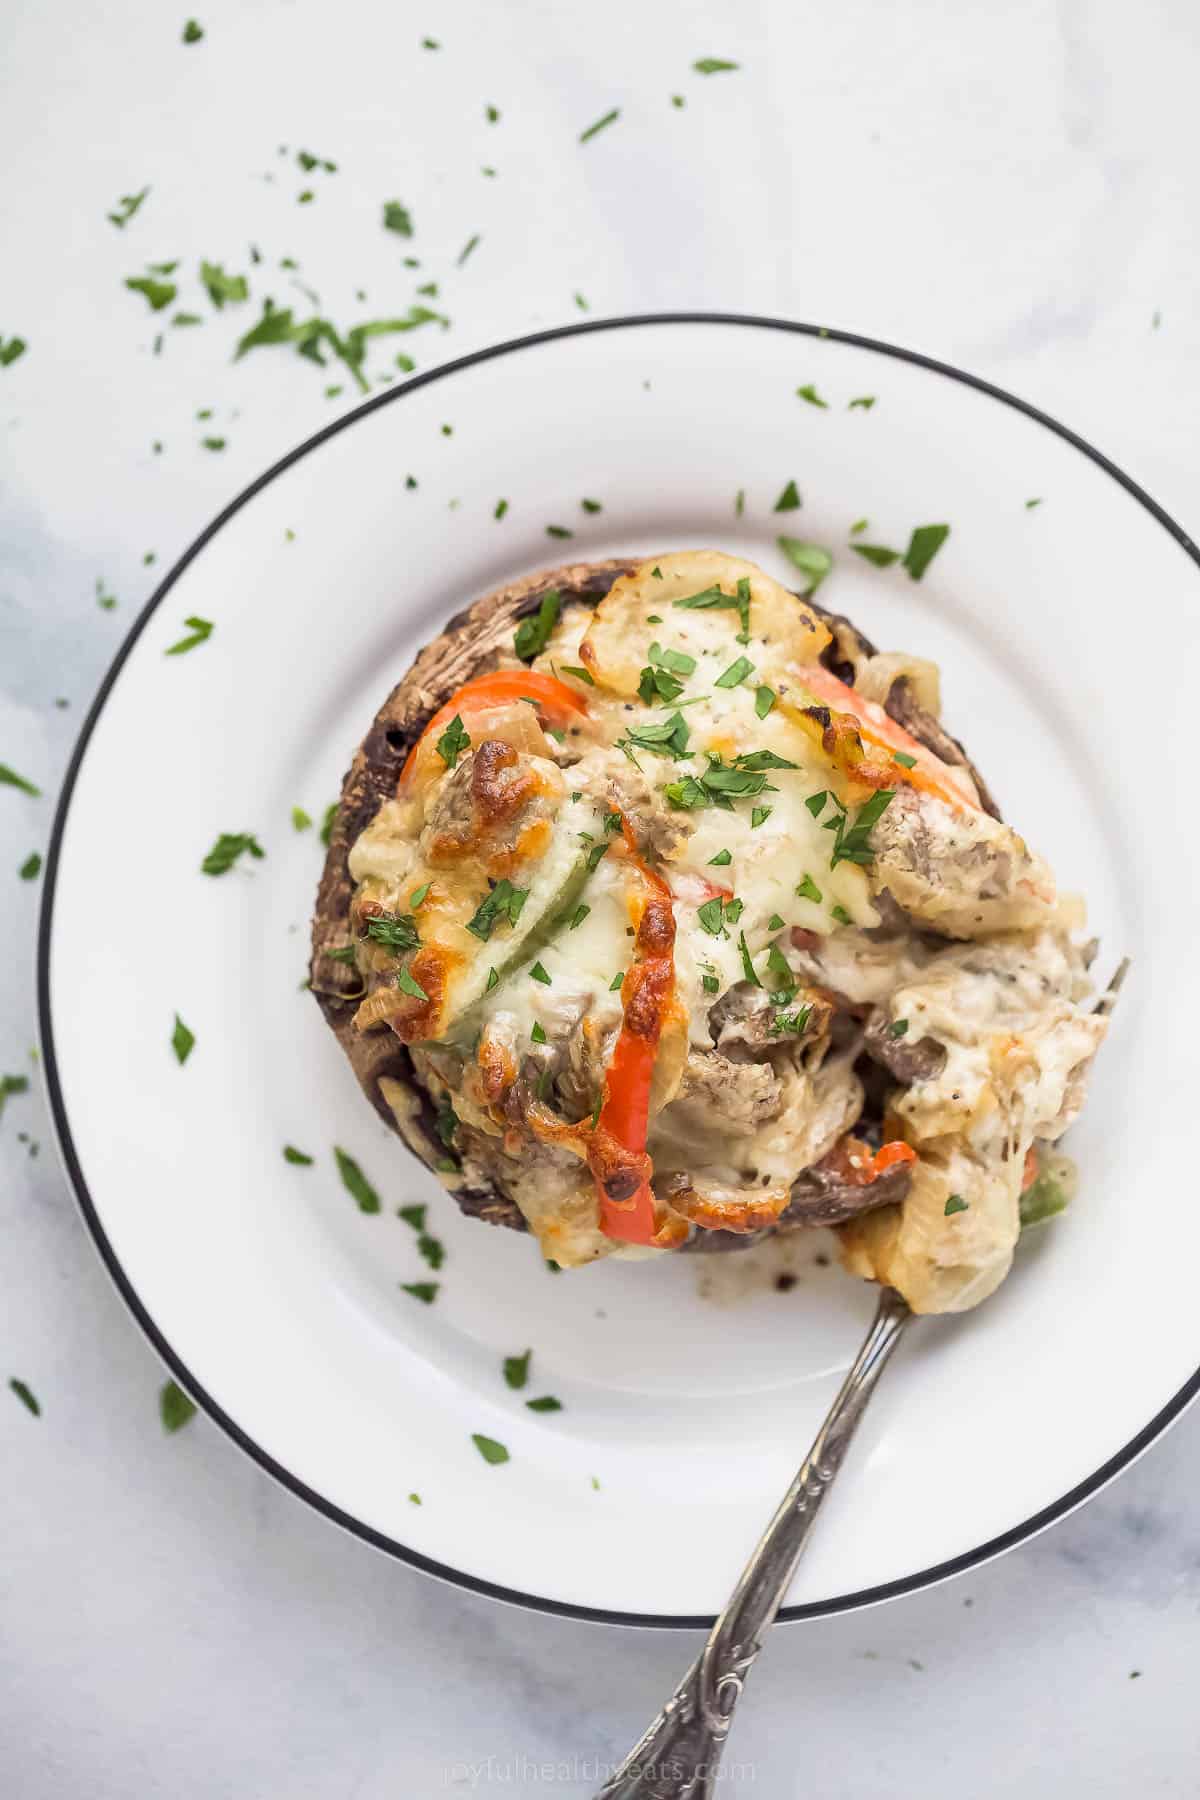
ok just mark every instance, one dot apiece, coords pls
pixel 678 1757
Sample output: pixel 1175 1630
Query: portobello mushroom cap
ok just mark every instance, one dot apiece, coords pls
pixel 471 644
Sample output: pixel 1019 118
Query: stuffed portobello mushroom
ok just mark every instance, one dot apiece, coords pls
pixel 660 913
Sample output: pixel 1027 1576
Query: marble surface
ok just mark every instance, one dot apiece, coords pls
pixel 1010 188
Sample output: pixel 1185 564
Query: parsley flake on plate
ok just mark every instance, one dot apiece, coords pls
pixel 125 208
pixel 414 1216
pixel 31 868
pixel 609 118
pixel 544 1403
pixel 923 546
pixel 25 1395
pixel 182 1041
pixel 10 349
pixel 789 500
pixel 300 819
pixel 158 293
pixel 490 1450
pixel 174 1407
pixel 558 531
pixel 355 1182
pixel 199 631
pixel 863 401
pixel 10 778
pixel 292 1155
pixel 193 31
pixel 812 560
pixel 878 554
pixel 713 65
pixel 424 1291
pixel 432 1249
pixel 228 847
pixel 516 1369
pixel 808 392
pixel 501 509
pixel 12 1084
pixel 397 218
pixel 471 244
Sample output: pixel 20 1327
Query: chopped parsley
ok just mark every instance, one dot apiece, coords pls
pixel 713 65
pixel 865 401
pixel 327 823
pixel 710 984
pixel 533 634
pixel 425 1291
pixel 775 923
pixel 841 915
pixel 345 953
pixel 614 986
pixel 610 118
pixel 712 917
pixel 591 506
pixel 735 674
pixel 31 868
pixel 816 803
pixel 312 337
pixel 446 1124
pixel 493 981
pixel 182 1041
pixel 898 1028
pixel 789 500
pixel 300 819
pixel 578 916
pixel 199 631
pixel 859 525
pixel 492 114
pixel 25 1395
pixel 716 597
pixel 579 673
pixel 783 981
pixel 10 349
pixel 193 31
pixel 808 890
pixel 538 973
pixel 558 531
pixel 221 287
pixel 355 1182
pixel 923 546
pixel 812 560
pixel 721 859
pixel 955 1204
pixel 453 741
pixel 419 895
pixel 407 985
pixel 10 778
pixel 432 1249
pixel 292 1155
pixel 852 842
pixel 538 1033
pixel 212 443
pixel 808 392
pixel 747 961
pixel 1030 504
pixel 795 1022
pixel 594 855
pixel 764 700
pixel 12 1084
pixel 668 739
pixel 759 816
pixel 397 218
pixel 174 1407
pixel 490 1450
pixel 471 244
pixel 504 902
pixel 739 503
pixel 877 554
pixel 905 761
pixel 228 847
pixel 516 1369
pixel 414 1216
pixel 158 293
pixel 500 509
pixel 125 208
pixel 393 933
pixel 544 1403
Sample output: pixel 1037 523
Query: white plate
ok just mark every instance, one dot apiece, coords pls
pixel 1062 631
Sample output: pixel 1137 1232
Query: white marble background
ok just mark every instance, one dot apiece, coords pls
pixel 1010 186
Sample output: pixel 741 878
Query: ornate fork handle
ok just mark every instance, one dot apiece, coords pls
pixel 678 1757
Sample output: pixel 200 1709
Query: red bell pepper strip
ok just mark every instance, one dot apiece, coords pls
pixel 555 701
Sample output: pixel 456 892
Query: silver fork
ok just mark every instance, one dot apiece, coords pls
pixel 678 1757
